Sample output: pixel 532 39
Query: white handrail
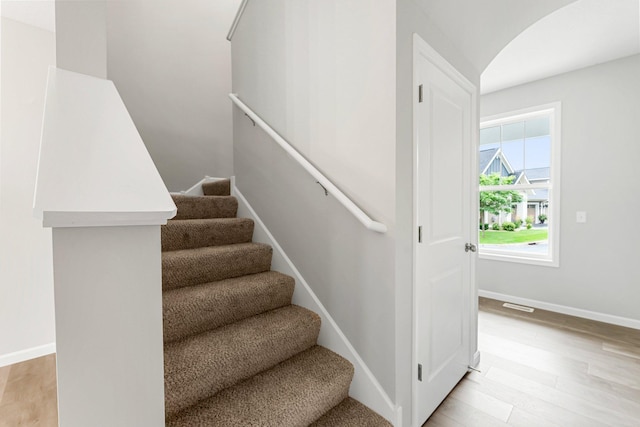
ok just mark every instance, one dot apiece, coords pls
pixel 322 180
pixel 236 20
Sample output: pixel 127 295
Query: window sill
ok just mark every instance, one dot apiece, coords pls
pixel 543 261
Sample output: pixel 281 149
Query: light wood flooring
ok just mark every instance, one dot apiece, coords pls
pixel 538 369
pixel 547 369
pixel 28 394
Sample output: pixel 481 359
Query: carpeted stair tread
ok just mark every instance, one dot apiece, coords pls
pixel 351 413
pixel 190 267
pixel 294 393
pixel 200 366
pixel 195 309
pixel 196 233
pixel 193 207
pixel 220 187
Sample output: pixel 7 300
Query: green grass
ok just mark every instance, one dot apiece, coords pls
pixel 521 236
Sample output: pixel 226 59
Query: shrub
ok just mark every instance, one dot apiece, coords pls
pixel 529 221
pixel 529 226
pixel 518 223
pixel 484 226
pixel 495 226
pixel 542 218
pixel 508 226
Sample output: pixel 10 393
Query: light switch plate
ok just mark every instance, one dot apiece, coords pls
pixel 581 216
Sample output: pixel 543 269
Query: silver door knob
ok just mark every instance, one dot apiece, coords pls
pixel 469 247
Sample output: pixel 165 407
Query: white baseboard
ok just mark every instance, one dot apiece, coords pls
pixel 571 311
pixel 27 354
pixel 364 386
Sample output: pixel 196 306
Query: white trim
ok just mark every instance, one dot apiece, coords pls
pixel 81 178
pixel 475 361
pixel 364 387
pixel 563 309
pixel 27 354
pixel 104 219
pixel 421 47
pixel 327 185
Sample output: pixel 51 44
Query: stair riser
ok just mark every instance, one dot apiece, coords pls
pixel 217 188
pixel 194 267
pixel 197 368
pixel 190 234
pixel 205 207
pixel 196 309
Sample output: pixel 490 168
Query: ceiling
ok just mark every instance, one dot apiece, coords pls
pixel 584 33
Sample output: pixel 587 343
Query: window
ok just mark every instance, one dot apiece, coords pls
pixel 519 165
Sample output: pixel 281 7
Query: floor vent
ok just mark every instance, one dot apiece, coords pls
pixel 517 307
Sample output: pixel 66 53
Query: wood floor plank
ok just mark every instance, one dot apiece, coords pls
pixel 4 376
pixel 30 397
pixel 522 418
pixel 592 410
pixel 621 374
pixel 533 405
pixel 528 355
pixel 529 372
pixel 597 383
pixel 467 415
pixel 622 348
pixel 611 400
pixel 440 420
pixel 483 402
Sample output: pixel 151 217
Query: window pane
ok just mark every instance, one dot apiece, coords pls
pixel 513 131
pixel 538 126
pixel 520 228
pixel 538 156
pixel 490 136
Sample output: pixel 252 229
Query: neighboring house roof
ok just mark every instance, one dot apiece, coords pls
pixel 539 195
pixel 486 157
pixel 537 174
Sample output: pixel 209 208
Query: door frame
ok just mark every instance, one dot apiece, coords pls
pixel 422 48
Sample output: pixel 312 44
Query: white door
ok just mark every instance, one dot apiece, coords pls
pixel 443 284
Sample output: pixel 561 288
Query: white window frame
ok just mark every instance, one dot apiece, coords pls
pixel 552 258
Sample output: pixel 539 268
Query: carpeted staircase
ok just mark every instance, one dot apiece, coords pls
pixel 236 351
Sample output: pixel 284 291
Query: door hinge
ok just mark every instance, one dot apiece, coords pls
pixel 420 93
pixel 419 372
pixel 419 234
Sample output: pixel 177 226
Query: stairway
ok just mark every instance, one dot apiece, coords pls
pixel 236 351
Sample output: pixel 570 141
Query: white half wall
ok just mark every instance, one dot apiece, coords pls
pixel 600 152
pixel 26 272
pixel 171 63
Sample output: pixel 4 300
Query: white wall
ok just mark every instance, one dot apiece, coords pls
pixel 171 63
pixel 26 277
pixel 323 75
pixel 81 36
pixel 600 151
